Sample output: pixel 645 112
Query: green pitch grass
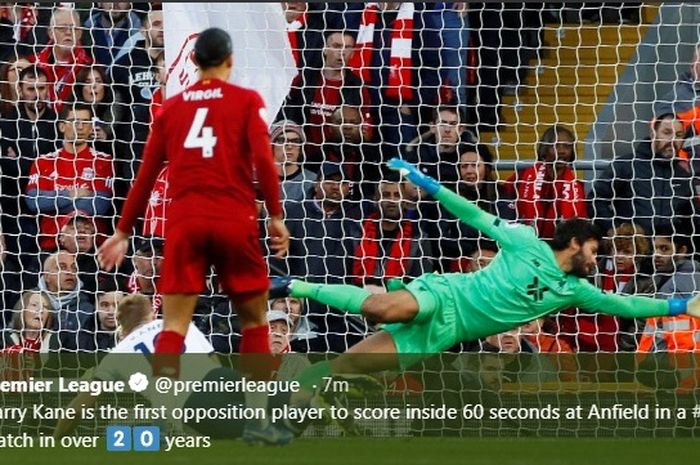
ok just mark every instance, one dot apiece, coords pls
pixel 417 451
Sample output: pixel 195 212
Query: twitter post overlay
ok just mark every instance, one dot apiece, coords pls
pixel 114 404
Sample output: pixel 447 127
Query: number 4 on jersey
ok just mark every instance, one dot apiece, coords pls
pixel 201 136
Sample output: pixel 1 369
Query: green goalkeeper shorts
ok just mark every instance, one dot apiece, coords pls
pixel 434 329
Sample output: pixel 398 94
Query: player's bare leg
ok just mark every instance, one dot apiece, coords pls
pixel 177 312
pixel 372 355
pixel 177 315
pixel 376 353
pixel 392 307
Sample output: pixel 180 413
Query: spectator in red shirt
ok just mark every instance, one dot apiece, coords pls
pixel 22 26
pixel 64 57
pixel 155 217
pixel 76 177
pixel 295 15
pixel 548 191
pixel 392 246
pixel 159 94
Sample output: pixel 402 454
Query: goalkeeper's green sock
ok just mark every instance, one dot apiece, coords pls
pixel 340 296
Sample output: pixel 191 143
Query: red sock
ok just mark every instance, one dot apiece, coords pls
pixel 256 360
pixel 166 360
pixel 169 342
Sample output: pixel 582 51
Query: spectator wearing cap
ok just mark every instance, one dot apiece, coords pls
pixel 289 366
pixel 323 230
pixel 73 307
pixel 304 336
pixel 288 147
pixel 280 328
pixel 77 235
pixel 147 261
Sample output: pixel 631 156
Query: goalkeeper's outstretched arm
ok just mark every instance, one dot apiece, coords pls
pixel 465 210
pixel 592 298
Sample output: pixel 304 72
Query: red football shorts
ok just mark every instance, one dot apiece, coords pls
pixel 193 245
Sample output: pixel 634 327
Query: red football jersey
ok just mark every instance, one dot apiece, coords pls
pixel 88 169
pixel 215 139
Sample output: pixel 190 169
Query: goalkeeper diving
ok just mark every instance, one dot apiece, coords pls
pixel 529 278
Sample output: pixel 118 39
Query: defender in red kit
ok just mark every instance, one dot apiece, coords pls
pixel 215 138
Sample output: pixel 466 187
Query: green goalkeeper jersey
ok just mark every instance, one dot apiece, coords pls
pixel 522 283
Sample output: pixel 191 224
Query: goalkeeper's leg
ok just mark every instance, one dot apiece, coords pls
pixel 393 307
pixel 372 355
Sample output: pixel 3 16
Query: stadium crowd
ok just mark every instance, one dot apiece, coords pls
pixel 80 87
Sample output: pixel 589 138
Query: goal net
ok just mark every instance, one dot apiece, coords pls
pixel 536 112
